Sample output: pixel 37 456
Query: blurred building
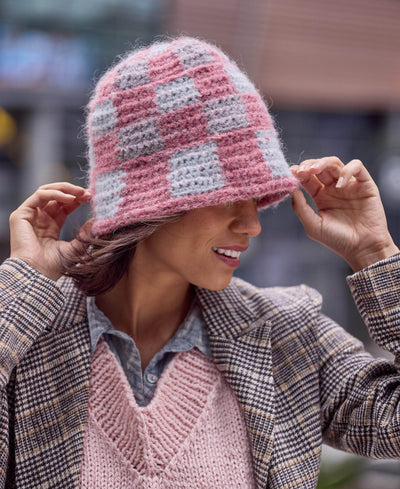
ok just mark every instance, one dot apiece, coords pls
pixel 308 53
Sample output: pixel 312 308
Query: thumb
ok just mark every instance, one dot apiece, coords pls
pixel 85 232
pixel 69 249
pixel 310 220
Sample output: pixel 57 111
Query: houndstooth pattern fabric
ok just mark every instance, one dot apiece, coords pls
pixel 177 126
pixel 299 378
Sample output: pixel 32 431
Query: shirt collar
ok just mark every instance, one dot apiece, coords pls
pixel 191 333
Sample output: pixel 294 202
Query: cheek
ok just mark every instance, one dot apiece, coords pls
pixel 194 262
pixel 194 258
pixel 183 255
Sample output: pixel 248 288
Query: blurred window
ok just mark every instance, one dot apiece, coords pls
pixel 36 58
pixel 77 11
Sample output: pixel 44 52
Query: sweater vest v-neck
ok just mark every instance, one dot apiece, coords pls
pixel 192 435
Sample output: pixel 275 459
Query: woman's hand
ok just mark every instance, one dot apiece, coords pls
pixel 35 226
pixel 351 220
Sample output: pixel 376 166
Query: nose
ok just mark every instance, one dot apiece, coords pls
pixel 245 219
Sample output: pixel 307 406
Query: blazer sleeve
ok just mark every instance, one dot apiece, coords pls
pixel 360 395
pixel 29 303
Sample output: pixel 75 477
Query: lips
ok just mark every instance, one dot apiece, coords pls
pixel 229 254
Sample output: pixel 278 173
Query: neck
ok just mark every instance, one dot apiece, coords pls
pixel 148 305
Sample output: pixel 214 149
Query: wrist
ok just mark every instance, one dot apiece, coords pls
pixel 368 257
pixel 51 274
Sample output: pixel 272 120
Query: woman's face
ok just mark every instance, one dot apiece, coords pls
pixel 202 247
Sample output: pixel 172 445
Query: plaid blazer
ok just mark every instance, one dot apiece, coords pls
pixel 298 376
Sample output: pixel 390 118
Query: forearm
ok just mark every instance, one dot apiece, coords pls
pixel 360 395
pixel 376 291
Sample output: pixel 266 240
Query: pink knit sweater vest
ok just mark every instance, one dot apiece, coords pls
pixel 191 436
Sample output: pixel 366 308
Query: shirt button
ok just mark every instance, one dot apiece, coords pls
pixel 151 378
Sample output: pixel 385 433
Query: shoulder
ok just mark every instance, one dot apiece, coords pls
pixel 298 329
pixel 293 301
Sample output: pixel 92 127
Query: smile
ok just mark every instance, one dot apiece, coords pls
pixel 229 253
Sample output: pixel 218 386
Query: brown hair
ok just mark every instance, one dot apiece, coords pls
pixel 97 263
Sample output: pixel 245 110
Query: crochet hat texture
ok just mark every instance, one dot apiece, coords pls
pixel 177 126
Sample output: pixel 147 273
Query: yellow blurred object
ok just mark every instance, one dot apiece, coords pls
pixel 8 127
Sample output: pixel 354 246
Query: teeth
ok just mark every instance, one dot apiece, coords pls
pixel 230 253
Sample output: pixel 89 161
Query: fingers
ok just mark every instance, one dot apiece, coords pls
pixel 326 172
pixel 353 170
pixel 57 200
pixel 49 206
pixel 59 211
pixel 61 193
pixel 315 174
pixel 35 226
pixel 308 181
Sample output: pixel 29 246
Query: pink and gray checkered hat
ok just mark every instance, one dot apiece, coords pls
pixel 177 126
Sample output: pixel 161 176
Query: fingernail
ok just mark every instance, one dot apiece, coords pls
pixel 339 182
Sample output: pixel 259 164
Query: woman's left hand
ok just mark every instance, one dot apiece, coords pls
pixel 351 220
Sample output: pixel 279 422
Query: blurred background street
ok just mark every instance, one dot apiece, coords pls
pixel 329 71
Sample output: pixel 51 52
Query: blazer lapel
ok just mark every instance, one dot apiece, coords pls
pixel 241 346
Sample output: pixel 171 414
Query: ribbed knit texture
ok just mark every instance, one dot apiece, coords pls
pixel 191 436
pixel 178 126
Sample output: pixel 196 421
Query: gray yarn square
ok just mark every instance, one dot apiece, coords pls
pixel 107 198
pixel 270 147
pixel 239 79
pixel 133 76
pixel 176 94
pixel 139 139
pixel 193 55
pixel 195 170
pixel 157 49
pixel 226 114
pixel 103 118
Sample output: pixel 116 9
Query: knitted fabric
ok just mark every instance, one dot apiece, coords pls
pixel 178 126
pixel 191 436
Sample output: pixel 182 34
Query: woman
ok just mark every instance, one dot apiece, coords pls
pixel 152 366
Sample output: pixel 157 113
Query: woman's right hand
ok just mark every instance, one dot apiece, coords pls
pixel 35 226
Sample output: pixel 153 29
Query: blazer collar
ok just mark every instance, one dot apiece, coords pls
pixel 228 313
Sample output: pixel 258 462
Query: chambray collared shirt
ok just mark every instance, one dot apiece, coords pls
pixel 191 334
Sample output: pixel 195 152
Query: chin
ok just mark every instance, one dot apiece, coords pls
pixel 218 288
pixel 216 284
